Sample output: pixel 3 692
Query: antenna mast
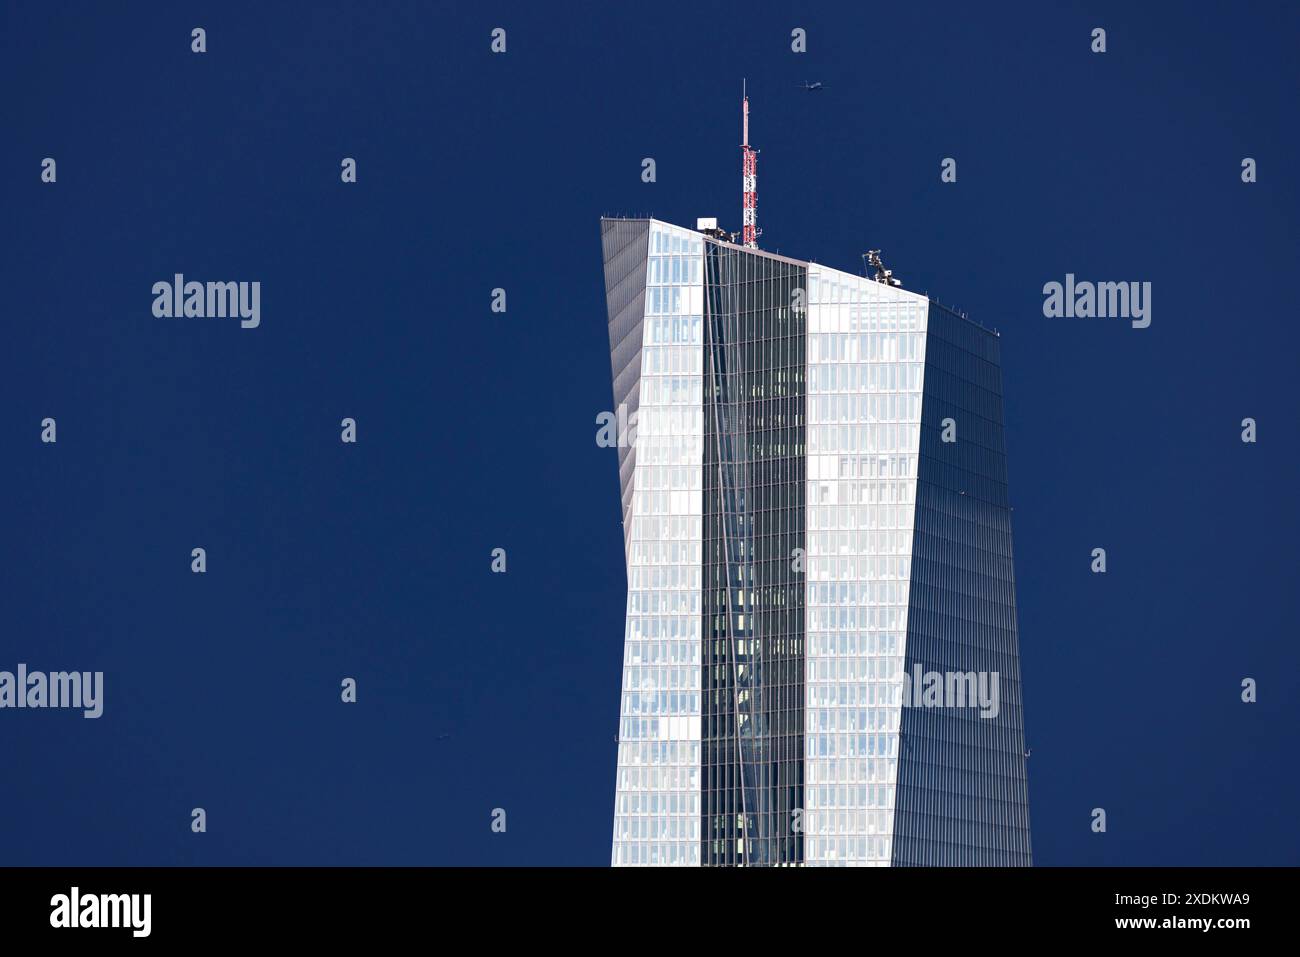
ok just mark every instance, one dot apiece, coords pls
pixel 749 168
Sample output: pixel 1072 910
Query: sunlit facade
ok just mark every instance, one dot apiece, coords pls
pixel 866 350
pixel 654 279
pixel 799 538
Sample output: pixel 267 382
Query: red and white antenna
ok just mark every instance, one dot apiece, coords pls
pixel 749 166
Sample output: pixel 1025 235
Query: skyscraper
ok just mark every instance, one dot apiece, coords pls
pixel 820 657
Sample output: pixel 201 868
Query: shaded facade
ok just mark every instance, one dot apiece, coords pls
pixel 800 538
pixel 753 654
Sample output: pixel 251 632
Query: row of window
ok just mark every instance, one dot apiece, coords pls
pixel 856 822
pixel 665 553
pixel 669 703
pixel 838 769
pixel 856 619
pixel 667 503
pixel 848 717
pixel 854 546
pixel 672 360
pixel 661 390
pixel 658 779
pixel 848 644
pixel 849 504
pixel 875 566
pixel 857 378
pixel 849 318
pixel 859 593
pixel 645 634
pixel 657 751
pixel 873 347
pixel 656 603
pixel 830 851
pixel 666 238
pixel 858 519
pixel 860 439
pixel 866 408
pixel 664 579
pixel 668 528
pixel 667 450
pixel 841 796
pixel 657 828
pixel 656 855
pixel 674 301
pixel 674 270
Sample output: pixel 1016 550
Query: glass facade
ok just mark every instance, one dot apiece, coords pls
pixel 799 538
pixel 657 794
pixel 962 797
pixel 866 355
pixel 753 583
